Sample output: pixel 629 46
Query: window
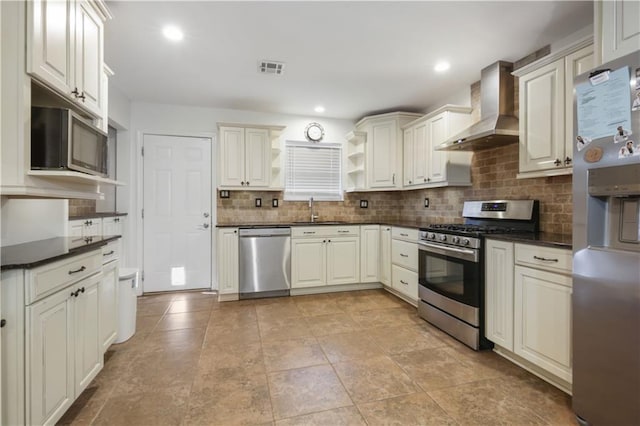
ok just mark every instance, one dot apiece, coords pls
pixel 313 170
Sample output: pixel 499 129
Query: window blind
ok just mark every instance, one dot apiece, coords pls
pixel 313 170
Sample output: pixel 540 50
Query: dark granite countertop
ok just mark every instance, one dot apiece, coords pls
pixel 539 239
pixel 97 215
pixel 37 253
pixel 321 223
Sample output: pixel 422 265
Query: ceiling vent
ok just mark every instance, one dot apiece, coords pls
pixel 270 67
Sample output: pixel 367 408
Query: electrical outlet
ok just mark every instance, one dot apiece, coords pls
pixel 426 203
pixel 258 202
pixel 224 193
pixel 274 203
pixel 364 204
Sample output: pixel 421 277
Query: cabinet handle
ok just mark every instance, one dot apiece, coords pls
pixel 247 183
pixel 75 92
pixel 544 259
pixel 328 241
pixel 404 235
pixel 117 219
pixel 3 322
pixel 393 179
pixel 567 161
pixel 405 283
pixel 404 255
pixel 82 96
pixel 109 253
pixel 88 240
pixel 242 183
pixel 324 241
pixel 82 290
pixel 308 232
pixel 82 268
pixel 557 162
pixel 343 232
pixel 75 293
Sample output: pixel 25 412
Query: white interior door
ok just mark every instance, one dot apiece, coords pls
pixel 177 213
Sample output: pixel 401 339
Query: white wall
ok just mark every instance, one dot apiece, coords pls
pixel 184 120
pixel 119 108
pixel 462 97
pixel 25 220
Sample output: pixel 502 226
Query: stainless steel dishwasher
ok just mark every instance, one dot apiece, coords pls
pixel 265 262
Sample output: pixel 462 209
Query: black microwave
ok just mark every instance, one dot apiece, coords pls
pixel 62 140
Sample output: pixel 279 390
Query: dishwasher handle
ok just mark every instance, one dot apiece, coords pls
pixel 264 232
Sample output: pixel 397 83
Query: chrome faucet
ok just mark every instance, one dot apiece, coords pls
pixel 313 216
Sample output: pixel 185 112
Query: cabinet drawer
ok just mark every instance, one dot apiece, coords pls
pixel 548 258
pixel 47 279
pixel 405 281
pixel 407 234
pixel 404 254
pixel 325 231
pixel 111 251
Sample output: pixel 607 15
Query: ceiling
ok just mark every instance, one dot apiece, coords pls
pixel 353 58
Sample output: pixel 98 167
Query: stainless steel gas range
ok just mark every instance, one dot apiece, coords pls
pixel 451 265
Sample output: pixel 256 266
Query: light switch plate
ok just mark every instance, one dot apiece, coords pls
pixel 224 193
pixel 426 203
pixel 364 204
pixel 258 202
pixel 274 203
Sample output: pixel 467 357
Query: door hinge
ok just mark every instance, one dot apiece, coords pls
pixel 143 213
pixel 142 151
pixel 142 275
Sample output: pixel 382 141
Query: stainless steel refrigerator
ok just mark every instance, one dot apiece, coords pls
pixel 606 244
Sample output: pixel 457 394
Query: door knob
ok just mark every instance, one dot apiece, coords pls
pixel 205 225
pixel 206 215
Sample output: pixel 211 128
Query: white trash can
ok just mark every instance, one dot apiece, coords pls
pixel 127 304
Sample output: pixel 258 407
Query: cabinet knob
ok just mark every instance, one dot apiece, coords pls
pixel 557 162
pixel 425 179
pixel 242 183
pixel 409 182
pixel 567 161
pixel 82 268
pixel 82 290
pixel 117 219
pixel 247 183
pixel 82 96
pixel 75 92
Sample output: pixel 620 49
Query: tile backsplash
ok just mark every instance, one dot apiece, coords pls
pixel 81 207
pixel 493 174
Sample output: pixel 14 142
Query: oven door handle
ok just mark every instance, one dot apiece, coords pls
pixel 458 253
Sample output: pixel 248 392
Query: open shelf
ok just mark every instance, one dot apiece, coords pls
pixel 355 171
pixel 355 155
pixel 69 176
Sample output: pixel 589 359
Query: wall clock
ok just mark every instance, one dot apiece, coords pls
pixel 314 132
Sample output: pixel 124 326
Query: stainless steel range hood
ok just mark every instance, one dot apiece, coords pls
pixel 497 126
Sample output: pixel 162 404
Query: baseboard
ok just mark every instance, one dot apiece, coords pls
pixel 334 288
pixel 401 296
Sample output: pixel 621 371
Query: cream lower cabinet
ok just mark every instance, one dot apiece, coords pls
pixel 404 262
pixel 325 255
pixel 385 255
pixel 228 264
pixel 528 307
pixel 108 296
pixel 369 253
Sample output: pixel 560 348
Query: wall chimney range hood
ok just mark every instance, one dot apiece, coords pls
pixel 498 125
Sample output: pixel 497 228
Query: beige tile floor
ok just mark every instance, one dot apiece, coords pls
pixel 357 358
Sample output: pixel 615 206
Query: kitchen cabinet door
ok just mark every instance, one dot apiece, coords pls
pixel 343 260
pixel 50 358
pixel 382 156
pixel 369 253
pixel 75 230
pixel 499 293
pixel 88 347
pixel 542 325
pixel 542 115
pixel 50 42
pixel 257 151
pixel 421 166
pixel 108 305
pixel 437 160
pixel 88 56
pixel 619 28
pixel 576 63
pixel 408 146
pixel 385 255
pixel 231 156
pixel 112 226
pixel 228 262
pixel 308 262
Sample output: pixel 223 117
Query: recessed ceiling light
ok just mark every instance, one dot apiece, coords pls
pixel 442 66
pixel 173 33
pixel 319 109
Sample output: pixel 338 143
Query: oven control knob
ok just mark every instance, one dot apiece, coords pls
pixel 456 240
pixel 432 236
pixel 466 242
pixel 443 238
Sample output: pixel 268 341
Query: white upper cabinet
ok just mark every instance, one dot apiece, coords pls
pixel 617 29
pixel 546 111
pixel 249 157
pixel 424 167
pixel 65 41
pixel 383 160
